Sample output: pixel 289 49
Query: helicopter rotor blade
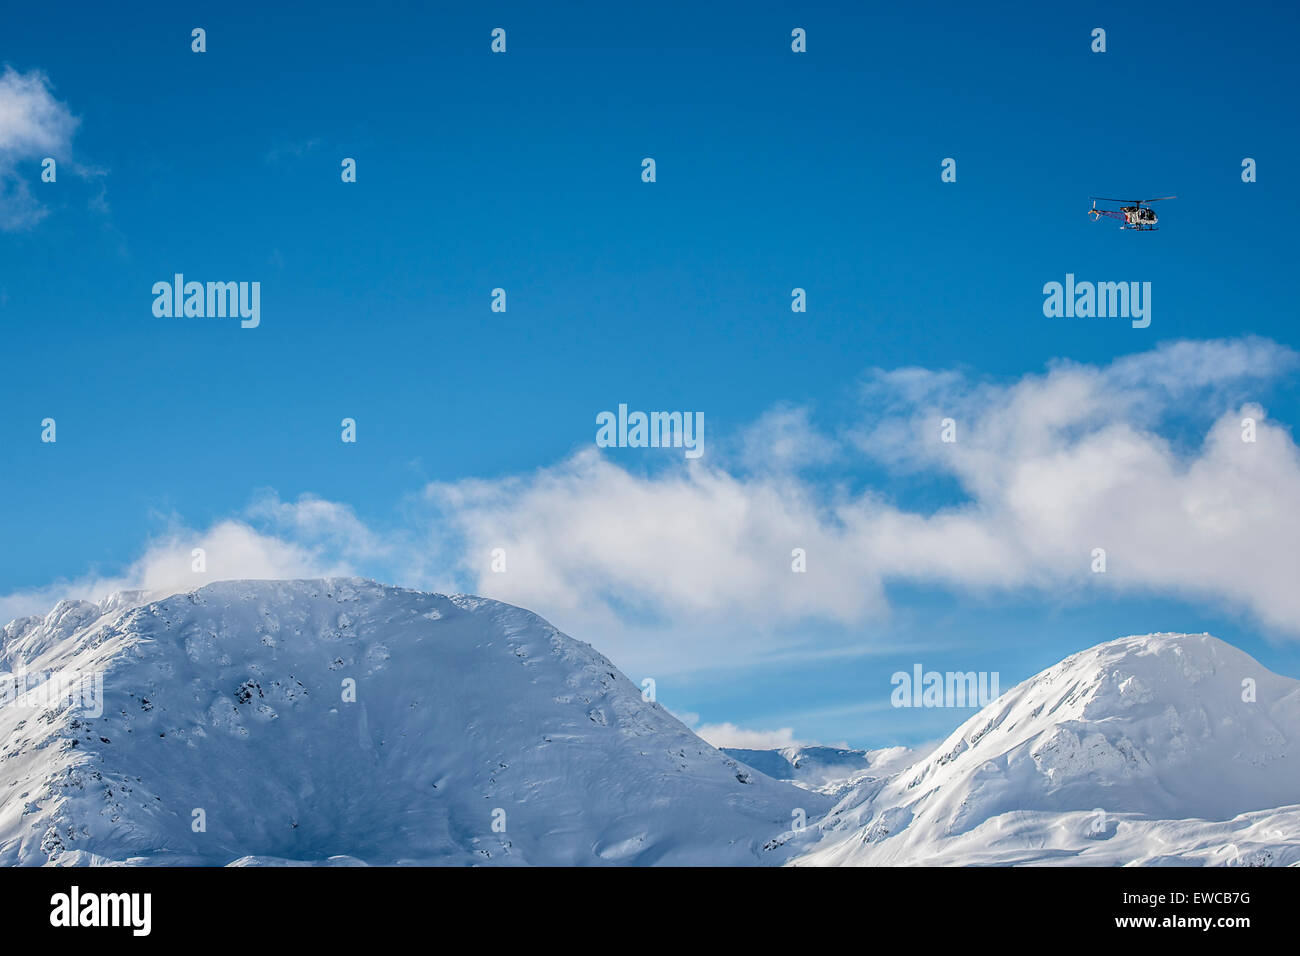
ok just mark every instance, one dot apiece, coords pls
pixel 1136 202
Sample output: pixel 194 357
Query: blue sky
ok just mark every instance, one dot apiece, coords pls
pixel 775 170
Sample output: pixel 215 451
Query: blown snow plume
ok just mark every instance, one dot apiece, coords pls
pixel 1163 748
pixel 478 734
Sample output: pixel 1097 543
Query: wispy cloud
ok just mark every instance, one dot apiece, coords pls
pixel 33 125
pixel 271 539
pixel 292 149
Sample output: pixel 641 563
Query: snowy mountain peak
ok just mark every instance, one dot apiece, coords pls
pixel 342 719
pixel 1161 726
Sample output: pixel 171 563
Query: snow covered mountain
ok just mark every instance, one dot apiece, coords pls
pixel 1166 748
pixel 341 721
pixel 831 770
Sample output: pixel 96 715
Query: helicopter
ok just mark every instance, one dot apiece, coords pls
pixel 1136 214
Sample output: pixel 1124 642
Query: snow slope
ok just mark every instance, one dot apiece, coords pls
pixel 229 700
pixel 1142 750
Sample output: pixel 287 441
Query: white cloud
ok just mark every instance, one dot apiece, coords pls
pixel 232 550
pixel 1052 466
pixel 694 541
pixel 1142 457
pixel 784 439
pixel 324 526
pixel 729 735
pixel 33 125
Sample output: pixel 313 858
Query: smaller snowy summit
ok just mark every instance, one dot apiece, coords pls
pixel 1166 748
